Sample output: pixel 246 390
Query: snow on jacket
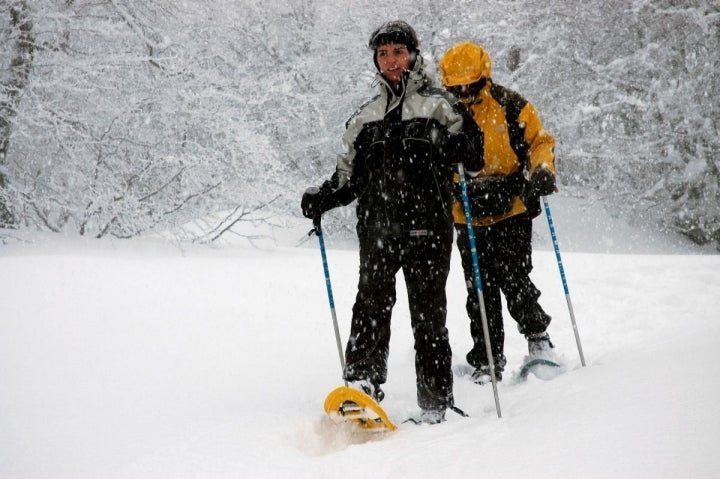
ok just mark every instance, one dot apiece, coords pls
pixel 510 146
pixel 400 153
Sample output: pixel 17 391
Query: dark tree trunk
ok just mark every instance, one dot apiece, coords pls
pixel 12 86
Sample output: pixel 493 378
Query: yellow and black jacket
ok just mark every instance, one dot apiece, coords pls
pixel 515 144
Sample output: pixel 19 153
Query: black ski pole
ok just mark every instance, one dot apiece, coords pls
pixel 318 231
pixel 478 284
pixel 563 279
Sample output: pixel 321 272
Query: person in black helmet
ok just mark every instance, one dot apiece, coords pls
pixel 398 164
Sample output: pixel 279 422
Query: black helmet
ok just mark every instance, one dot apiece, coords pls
pixel 396 31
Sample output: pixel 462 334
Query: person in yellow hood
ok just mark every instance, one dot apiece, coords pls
pixel 504 197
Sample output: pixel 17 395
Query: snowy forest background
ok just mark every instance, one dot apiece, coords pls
pixel 125 117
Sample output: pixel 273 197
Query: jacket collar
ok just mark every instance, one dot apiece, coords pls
pixel 412 81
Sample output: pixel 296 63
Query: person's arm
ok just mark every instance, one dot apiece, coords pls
pixel 541 152
pixel 465 141
pixel 344 185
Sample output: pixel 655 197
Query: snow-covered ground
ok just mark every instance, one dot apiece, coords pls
pixel 146 359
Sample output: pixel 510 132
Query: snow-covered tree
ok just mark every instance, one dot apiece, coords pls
pixel 18 44
pixel 131 122
pixel 125 116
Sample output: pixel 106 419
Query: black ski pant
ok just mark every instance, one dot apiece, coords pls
pixel 505 259
pixel 424 257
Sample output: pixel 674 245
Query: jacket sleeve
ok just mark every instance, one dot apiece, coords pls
pixel 465 142
pixel 344 186
pixel 338 195
pixel 541 144
pixel 475 142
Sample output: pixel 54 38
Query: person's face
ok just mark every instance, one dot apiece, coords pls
pixel 393 59
pixel 468 94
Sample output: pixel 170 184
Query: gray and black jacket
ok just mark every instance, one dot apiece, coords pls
pixel 400 154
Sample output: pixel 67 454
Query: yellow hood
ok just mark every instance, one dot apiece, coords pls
pixel 465 63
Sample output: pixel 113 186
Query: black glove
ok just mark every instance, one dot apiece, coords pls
pixel 311 203
pixel 315 201
pixel 542 182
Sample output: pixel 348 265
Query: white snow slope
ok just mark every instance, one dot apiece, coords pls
pixel 142 359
